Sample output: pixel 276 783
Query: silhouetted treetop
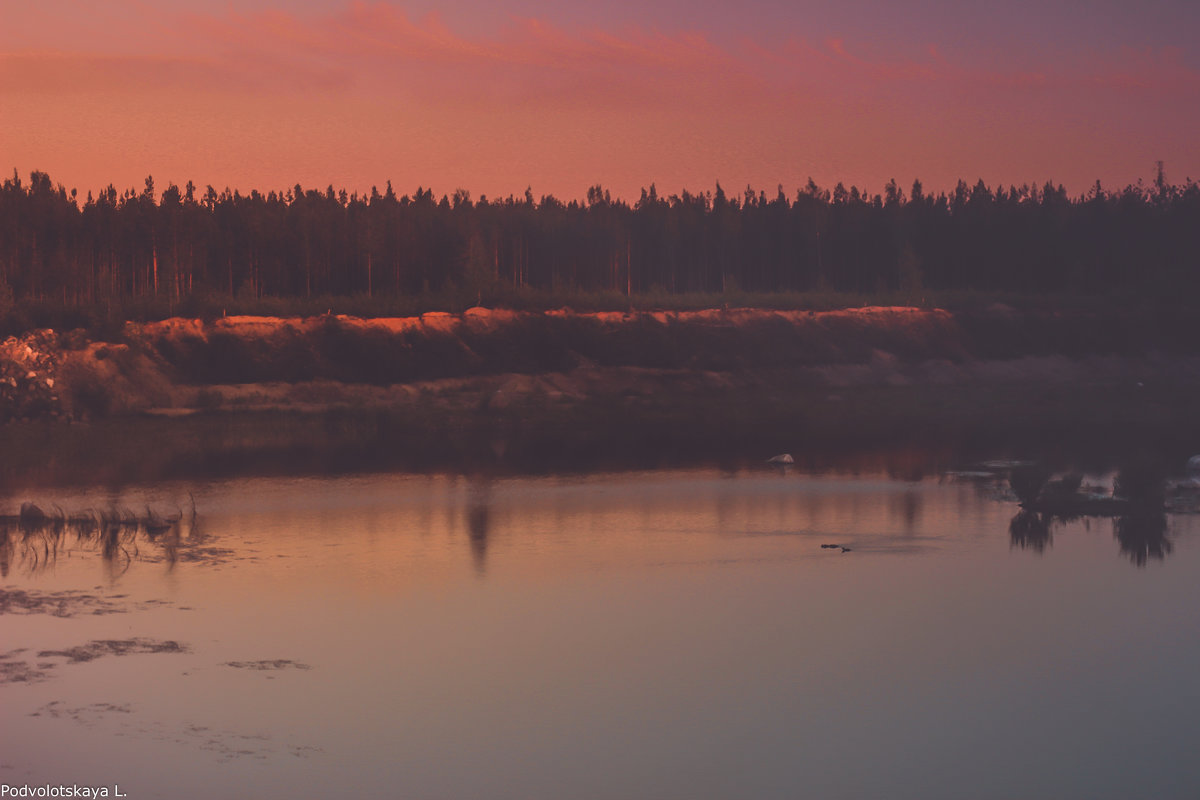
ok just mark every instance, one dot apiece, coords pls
pixel 302 242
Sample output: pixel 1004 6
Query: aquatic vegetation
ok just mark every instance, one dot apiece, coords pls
pixel 267 665
pixel 35 539
pixel 113 647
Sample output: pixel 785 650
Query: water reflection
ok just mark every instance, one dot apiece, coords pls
pixel 35 539
pixel 1137 505
pixel 634 625
pixel 908 508
pixel 1143 536
pixel 889 515
pixel 1030 530
pixel 1140 536
pixel 478 521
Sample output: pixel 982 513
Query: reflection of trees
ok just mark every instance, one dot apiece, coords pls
pixel 1142 533
pixel 478 521
pixel 1137 507
pixel 909 510
pixel 1030 530
pixel 6 551
pixel 1143 536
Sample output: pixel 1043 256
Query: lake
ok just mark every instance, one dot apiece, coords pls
pixel 662 634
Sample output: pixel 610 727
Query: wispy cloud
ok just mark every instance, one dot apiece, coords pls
pixel 377 47
pixel 52 72
pixel 267 96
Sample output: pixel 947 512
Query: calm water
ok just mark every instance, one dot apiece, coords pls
pixel 649 635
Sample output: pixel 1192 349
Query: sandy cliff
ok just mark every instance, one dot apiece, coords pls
pixel 486 358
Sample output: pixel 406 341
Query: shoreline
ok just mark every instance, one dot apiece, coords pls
pixel 907 429
pixel 525 392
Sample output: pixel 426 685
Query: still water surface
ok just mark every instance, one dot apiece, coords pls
pixel 647 635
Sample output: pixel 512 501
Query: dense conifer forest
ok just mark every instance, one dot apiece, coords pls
pixel 180 249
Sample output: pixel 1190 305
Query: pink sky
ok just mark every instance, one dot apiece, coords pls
pixel 562 97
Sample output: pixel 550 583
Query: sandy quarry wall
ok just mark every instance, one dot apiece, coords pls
pixel 43 374
pixel 482 341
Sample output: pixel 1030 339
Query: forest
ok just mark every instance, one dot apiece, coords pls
pixel 183 250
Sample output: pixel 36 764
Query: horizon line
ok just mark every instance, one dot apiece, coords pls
pixel 202 188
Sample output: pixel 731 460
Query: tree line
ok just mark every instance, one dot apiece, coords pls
pixel 181 242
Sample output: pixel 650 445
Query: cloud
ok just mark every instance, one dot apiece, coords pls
pixel 75 73
pixel 366 90
pixel 530 60
pixel 376 48
pixel 1151 69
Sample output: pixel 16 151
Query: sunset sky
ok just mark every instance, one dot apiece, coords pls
pixel 557 96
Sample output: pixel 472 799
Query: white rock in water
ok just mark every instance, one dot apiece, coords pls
pixel 784 458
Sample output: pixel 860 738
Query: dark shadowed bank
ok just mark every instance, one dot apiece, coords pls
pixel 552 391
